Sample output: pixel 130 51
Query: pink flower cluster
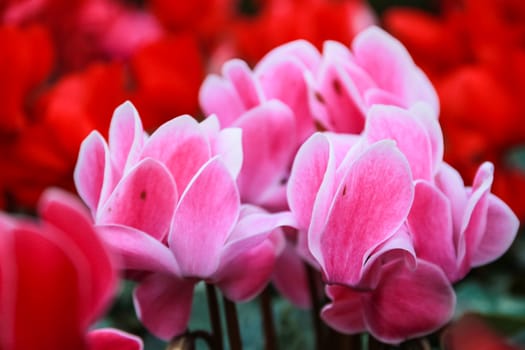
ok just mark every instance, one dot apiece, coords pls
pixel 373 205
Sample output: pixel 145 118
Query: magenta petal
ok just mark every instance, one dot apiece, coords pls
pixel 163 304
pixel 424 293
pixel 290 278
pixel 369 207
pixel 308 171
pixel 345 312
pixel 268 138
pixel 394 123
pixel 113 339
pixel 138 250
pixel 205 216
pixel 246 275
pixel 126 136
pixel 433 234
pixel 218 96
pixel 144 199
pixel 501 229
pixel 181 145
pixel 93 170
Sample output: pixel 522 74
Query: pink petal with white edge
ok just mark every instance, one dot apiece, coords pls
pixel 394 123
pixel 290 277
pixel 502 227
pixel 301 50
pixel 427 117
pixel 228 144
pixel 241 77
pixel 67 214
pixel 433 233
pixel 308 171
pixel 126 137
pixel 218 96
pixel 345 312
pixel 181 145
pixel 283 79
pixel 93 170
pixel 424 293
pixel 145 199
pixel 246 275
pixel 370 205
pixel 139 251
pixel 204 218
pixel 113 339
pixel 269 143
pixel 163 304
pixel 449 181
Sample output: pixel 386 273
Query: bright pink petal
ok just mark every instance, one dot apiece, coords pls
pixel 218 96
pixel 268 137
pixel 433 234
pixel 144 199
pixel 73 224
pixel 345 312
pixel 501 229
pixel 290 278
pixel 163 304
pixel 308 171
pixel 246 275
pixel 126 136
pixel 205 216
pixel 394 123
pixel 181 145
pixel 93 170
pixel 282 78
pixel 368 208
pixel 424 293
pixel 113 339
pixel 138 250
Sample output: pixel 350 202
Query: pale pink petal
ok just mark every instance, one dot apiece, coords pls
pixel 145 199
pixel 205 216
pixel 163 304
pixel 282 78
pixel 308 171
pixel 181 145
pixel 126 136
pixel 427 117
pixel 393 123
pixel 345 312
pixel 501 229
pixel 228 144
pixel 93 170
pixel 268 138
pixel 241 77
pixel 139 251
pixel 246 275
pixel 409 303
pixel 449 181
pixel 433 234
pixel 113 339
pixel 300 50
pixel 290 278
pixel 368 208
pixel 67 214
pixel 218 96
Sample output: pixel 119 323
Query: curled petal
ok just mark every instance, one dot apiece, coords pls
pixel 163 304
pixel 345 313
pixel 368 208
pixel 204 218
pixel 144 199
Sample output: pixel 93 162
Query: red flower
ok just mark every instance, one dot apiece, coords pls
pixel 474 53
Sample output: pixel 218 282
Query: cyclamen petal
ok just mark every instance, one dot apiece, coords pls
pixel 112 339
pixel 144 199
pixel 163 304
pixel 368 208
pixel 218 96
pixel 203 220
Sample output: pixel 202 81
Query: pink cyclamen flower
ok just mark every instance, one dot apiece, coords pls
pixel 56 279
pixel 351 199
pixel 169 203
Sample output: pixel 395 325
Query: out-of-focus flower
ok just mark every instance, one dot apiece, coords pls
pixel 168 203
pixel 473 52
pixel 56 278
pixel 471 332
